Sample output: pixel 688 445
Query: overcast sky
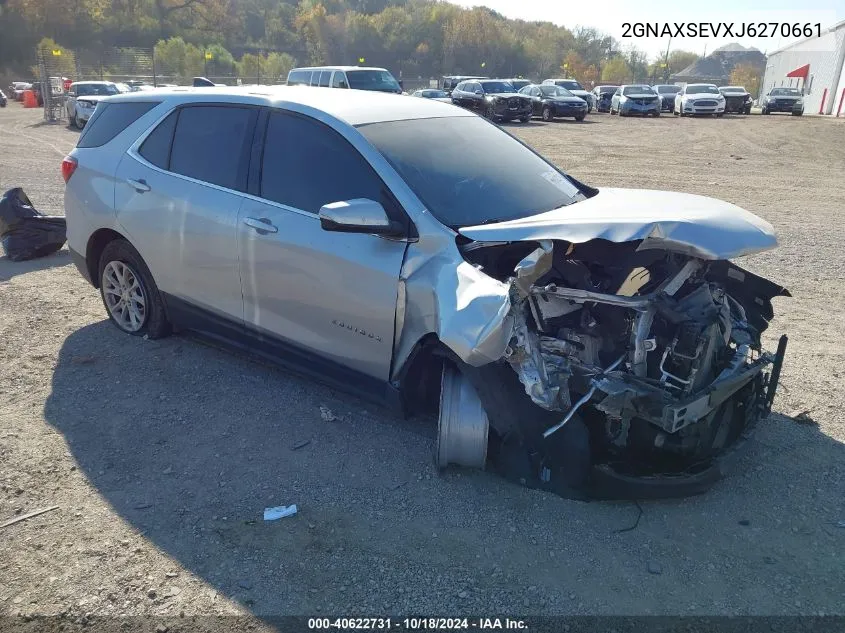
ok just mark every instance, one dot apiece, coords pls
pixel 609 15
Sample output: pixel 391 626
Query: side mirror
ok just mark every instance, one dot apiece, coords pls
pixel 479 92
pixel 359 215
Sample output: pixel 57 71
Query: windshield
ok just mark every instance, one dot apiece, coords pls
pixel 492 178
pixel 668 90
pixel 636 90
pixel 605 90
pixel 497 86
pixel 519 83
pixel 555 91
pixel 731 89
pixel 380 80
pixel 100 90
pixel 569 84
pixel 702 89
pixel 786 92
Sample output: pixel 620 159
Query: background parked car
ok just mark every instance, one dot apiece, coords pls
pixel 450 82
pixel 519 83
pixel 433 93
pixel 602 96
pixel 354 77
pixel 737 99
pixel 550 101
pixel 635 99
pixel 699 99
pixel 784 100
pixel 575 88
pixel 495 99
pixel 16 89
pixel 83 97
pixel 667 93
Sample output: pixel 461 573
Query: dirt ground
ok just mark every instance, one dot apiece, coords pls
pixel 162 455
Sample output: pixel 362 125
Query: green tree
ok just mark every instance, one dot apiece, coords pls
pixel 616 71
pixel 178 60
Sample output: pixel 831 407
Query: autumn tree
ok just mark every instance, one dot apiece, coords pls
pixel 747 75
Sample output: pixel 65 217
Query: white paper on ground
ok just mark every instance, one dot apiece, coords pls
pixel 279 512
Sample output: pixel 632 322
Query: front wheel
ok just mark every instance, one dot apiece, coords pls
pixel 719 115
pixel 797 113
pixel 525 119
pixel 580 117
pixel 490 112
pixel 129 292
pixel 547 114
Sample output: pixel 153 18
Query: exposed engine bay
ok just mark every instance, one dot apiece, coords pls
pixel 657 354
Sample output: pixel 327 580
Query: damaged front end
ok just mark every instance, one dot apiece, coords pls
pixel 656 353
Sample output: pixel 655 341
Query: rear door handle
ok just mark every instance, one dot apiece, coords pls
pixel 262 225
pixel 140 185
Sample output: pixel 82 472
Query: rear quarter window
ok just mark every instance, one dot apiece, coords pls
pixel 110 119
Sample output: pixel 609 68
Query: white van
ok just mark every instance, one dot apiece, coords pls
pixel 354 77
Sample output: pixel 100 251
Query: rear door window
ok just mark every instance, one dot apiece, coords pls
pixel 325 78
pixel 110 119
pixel 212 144
pixel 339 80
pixel 290 178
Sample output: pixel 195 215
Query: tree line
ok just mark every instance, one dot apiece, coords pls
pixel 265 38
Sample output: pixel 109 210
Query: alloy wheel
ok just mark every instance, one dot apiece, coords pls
pixel 125 296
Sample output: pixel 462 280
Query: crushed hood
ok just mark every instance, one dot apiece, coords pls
pixel 696 225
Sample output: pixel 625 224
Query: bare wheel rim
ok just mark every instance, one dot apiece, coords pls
pixel 125 296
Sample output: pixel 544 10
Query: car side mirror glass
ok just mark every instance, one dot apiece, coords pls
pixel 479 92
pixel 359 215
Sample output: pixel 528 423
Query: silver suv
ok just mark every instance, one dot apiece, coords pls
pixel 575 339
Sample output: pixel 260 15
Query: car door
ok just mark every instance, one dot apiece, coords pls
pixel 177 193
pixel 459 95
pixel 326 296
pixel 70 101
pixel 614 100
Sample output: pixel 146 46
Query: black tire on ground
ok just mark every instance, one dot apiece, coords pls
pixel 719 115
pixel 490 112
pixel 657 114
pixel 155 324
pixel 547 113
pixel 580 117
pixel 797 113
pixel 764 111
pixel 525 119
pixel 72 120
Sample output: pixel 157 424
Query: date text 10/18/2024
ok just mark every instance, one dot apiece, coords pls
pixel 417 624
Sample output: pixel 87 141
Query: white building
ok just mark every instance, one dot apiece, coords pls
pixel 814 64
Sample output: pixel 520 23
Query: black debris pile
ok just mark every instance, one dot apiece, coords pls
pixel 24 232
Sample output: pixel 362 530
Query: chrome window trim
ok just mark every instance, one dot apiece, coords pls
pixel 408 200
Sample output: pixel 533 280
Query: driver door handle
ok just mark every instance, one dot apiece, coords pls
pixel 262 225
pixel 140 185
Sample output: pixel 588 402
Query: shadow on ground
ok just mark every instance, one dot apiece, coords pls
pixel 188 444
pixel 10 269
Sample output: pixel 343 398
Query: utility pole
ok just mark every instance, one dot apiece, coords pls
pixel 666 61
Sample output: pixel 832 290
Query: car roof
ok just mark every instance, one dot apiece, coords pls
pixel 344 68
pixel 690 85
pixel 726 87
pixel 89 83
pixel 355 107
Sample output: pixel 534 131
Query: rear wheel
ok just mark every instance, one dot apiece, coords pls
pixel 129 293
pixel 72 119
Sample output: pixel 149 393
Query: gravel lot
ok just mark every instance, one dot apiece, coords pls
pixel 161 455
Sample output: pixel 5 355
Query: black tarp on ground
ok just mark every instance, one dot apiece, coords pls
pixel 24 232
